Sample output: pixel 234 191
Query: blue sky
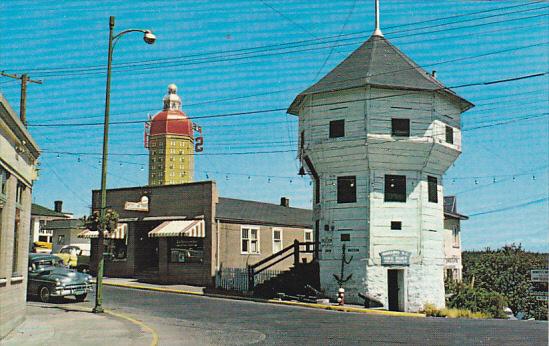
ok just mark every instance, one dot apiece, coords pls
pixel 210 50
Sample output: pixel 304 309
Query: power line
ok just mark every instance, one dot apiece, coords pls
pixel 292 43
pixel 283 109
pixel 511 207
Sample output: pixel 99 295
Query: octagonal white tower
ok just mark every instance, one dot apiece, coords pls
pixel 377 134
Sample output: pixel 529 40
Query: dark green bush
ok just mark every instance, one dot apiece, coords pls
pixel 477 300
pixel 507 271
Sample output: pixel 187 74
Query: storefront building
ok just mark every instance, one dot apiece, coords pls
pixel 185 233
pixel 18 156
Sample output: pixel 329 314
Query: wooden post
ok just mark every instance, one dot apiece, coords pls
pixel 251 283
pixel 296 252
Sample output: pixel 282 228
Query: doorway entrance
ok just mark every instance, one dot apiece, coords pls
pixel 395 289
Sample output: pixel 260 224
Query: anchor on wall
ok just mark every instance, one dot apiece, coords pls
pixel 340 279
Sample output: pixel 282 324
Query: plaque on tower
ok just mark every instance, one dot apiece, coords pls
pixel 395 257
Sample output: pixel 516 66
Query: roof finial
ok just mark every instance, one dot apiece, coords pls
pixel 377 31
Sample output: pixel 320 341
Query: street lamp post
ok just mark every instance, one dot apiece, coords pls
pixel 149 38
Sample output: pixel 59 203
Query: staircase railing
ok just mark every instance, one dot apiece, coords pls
pixel 294 250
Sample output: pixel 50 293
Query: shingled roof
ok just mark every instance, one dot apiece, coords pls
pixel 38 210
pixel 377 63
pixel 238 210
pixel 450 208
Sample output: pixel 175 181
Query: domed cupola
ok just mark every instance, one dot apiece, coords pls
pixel 171 120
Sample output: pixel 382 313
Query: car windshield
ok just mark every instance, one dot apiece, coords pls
pixel 68 250
pixel 48 262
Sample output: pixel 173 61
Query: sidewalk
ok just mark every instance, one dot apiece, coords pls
pixel 196 290
pixel 75 324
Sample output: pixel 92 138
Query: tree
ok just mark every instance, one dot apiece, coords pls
pixel 507 271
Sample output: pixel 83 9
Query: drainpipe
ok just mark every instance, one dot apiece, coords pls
pixel 218 237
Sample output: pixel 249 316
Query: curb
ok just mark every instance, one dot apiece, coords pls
pixel 272 301
pixel 143 326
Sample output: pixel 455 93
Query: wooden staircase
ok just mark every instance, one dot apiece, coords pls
pixel 291 282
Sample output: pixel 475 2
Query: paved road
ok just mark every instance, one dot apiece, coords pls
pixel 194 320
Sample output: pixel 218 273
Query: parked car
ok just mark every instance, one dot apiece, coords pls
pixel 50 278
pixel 41 247
pixel 75 258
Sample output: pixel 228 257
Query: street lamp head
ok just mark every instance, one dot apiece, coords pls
pixel 149 37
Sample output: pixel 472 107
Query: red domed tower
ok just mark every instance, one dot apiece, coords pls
pixel 170 143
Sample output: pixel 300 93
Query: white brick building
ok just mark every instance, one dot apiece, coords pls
pixel 377 134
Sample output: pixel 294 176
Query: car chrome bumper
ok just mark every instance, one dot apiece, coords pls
pixel 72 290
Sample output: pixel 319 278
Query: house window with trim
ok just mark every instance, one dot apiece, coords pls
pixel 308 235
pixel 432 189
pixel 395 188
pixel 346 189
pixel 277 240
pixel 455 237
pixel 449 135
pixel 400 127
pixel 249 240
pixel 337 128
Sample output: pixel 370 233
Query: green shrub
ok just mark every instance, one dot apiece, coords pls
pixel 431 310
pixel 478 300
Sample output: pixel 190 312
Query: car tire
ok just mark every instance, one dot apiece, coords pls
pixel 81 297
pixel 44 294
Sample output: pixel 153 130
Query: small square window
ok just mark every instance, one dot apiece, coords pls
pixel 400 127
pixel 346 189
pixel 345 237
pixel 449 135
pixel 395 188
pixel 337 128
pixel 396 225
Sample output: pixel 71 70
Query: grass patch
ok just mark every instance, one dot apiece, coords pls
pixel 433 311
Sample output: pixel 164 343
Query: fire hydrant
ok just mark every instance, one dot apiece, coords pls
pixel 341 296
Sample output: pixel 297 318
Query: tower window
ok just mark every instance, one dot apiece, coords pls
pixel 337 128
pixel 396 225
pixel 449 135
pixel 400 127
pixel 432 189
pixel 346 189
pixel 395 188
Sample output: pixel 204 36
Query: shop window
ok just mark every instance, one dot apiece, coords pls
pixel 346 189
pixel 249 239
pixel 119 249
pixel 186 250
pixel 396 225
pixel 432 189
pixel 395 188
pixel 277 240
pixel 449 135
pixel 400 127
pixel 337 128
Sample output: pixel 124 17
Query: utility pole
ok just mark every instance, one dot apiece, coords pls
pixel 23 103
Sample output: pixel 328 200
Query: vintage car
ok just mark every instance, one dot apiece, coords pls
pixel 50 278
pixel 75 258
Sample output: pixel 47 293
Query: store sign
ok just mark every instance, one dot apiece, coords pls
pixel 395 257
pixel 142 205
pixel 539 275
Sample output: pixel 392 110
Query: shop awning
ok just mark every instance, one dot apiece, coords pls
pixel 179 228
pixel 119 233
